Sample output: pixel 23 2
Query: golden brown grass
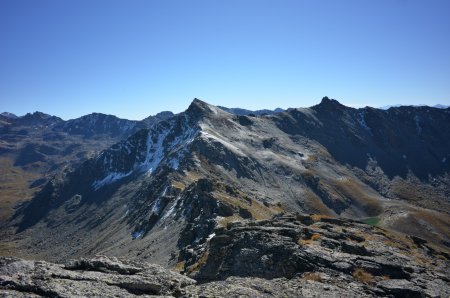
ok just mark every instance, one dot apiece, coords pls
pixel 394 243
pixel 180 185
pixel 318 217
pixel 314 237
pixel 14 188
pixel 316 204
pixel 420 222
pixel 309 176
pixel 259 211
pixel 224 221
pixel 8 248
pixel 202 261
pixel 419 193
pixel 191 177
pixel 179 266
pixel 363 276
pixel 352 189
pixel 314 276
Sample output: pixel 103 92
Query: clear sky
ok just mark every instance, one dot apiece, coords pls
pixel 136 58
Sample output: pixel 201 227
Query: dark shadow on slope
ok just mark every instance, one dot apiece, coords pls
pixel 57 192
pixel 401 140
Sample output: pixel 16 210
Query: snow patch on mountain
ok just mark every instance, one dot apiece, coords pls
pixel 137 234
pixel 155 152
pixel 166 143
pixel 417 121
pixel 156 209
pixel 214 137
pixel 362 121
pixel 174 150
pixel 110 178
pixel 171 209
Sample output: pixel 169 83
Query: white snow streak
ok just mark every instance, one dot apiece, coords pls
pixel 362 121
pixel 418 127
pixel 171 209
pixel 110 178
pixel 156 152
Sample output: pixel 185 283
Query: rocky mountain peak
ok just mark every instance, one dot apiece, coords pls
pixel 38 115
pixel 330 102
pixel 164 114
pixel 199 109
pixel 39 118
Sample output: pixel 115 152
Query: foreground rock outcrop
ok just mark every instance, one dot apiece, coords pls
pixel 313 254
pixel 287 256
pixel 98 277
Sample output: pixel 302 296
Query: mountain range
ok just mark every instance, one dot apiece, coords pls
pixel 166 189
pixel 37 146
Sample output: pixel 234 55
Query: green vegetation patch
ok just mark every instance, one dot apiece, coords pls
pixel 373 221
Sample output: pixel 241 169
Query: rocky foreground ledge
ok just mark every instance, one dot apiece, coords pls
pixel 287 256
pixel 97 277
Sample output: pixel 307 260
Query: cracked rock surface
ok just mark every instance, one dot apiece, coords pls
pixel 305 256
pixel 97 277
pixel 286 256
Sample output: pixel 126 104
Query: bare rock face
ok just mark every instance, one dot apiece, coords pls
pixel 98 277
pixel 326 253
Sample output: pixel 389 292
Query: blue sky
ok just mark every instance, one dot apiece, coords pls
pixel 136 58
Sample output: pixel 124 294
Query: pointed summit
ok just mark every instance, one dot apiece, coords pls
pixel 39 118
pixel 199 109
pixel 198 104
pixel 329 103
pixel 37 115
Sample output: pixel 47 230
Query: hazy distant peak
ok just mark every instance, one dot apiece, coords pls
pixel 245 112
pixel 95 115
pixel 164 114
pixel 438 106
pixel 9 115
pixel 38 114
pixel 151 120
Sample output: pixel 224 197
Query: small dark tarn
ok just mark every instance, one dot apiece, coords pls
pixel 373 221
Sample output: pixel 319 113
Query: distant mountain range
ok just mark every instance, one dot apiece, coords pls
pixel 438 106
pixel 37 146
pixel 244 112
